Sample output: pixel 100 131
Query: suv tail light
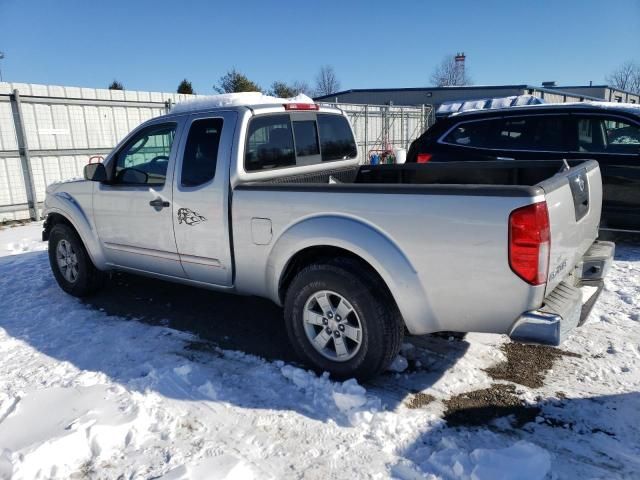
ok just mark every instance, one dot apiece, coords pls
pixel 423 157
pixel 301 106
pixel 529 243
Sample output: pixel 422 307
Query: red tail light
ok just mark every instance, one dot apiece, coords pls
pixel 423 157
pixel 529 243
pixel 301 106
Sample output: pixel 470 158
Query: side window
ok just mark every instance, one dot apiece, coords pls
pixel 336 139
pixel 269 143
pixel 608 135
pixel 474 134
pixel 533 133
pixel 201 152
pixel 622 137
pixel 144 160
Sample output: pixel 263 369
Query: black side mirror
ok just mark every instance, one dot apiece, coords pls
pixel 95 172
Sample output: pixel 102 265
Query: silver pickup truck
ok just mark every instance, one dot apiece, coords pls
pixel 270 200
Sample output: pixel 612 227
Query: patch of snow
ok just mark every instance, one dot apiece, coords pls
pixel 15 240
pixel 235 99
pixel 399 364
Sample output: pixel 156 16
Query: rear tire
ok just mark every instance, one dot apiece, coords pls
pixel 364 340
pixel 70 263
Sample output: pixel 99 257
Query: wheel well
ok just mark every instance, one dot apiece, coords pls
pixel 318 254
pixel 55 219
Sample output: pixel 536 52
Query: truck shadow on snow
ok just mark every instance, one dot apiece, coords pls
pixel 255 326
pixel 192 344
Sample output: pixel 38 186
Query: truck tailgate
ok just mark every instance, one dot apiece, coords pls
pixel 574 202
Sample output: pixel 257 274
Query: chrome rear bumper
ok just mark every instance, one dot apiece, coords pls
pixel 570 303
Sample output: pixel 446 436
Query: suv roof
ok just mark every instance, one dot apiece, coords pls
pixel 631 108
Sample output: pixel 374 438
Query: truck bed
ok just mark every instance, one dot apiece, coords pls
pixel 448 224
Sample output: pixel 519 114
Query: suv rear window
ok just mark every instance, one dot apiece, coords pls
pixel 275 141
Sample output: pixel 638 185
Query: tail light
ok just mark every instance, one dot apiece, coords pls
pixel 301 106
pixel 423 157
pixel 529 243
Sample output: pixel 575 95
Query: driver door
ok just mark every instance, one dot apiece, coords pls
pixel 132 211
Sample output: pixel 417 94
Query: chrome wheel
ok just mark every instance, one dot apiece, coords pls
pixel 67 261
pixel 332 326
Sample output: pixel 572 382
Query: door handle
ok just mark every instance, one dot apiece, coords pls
pixel 505 158
pixel 159 203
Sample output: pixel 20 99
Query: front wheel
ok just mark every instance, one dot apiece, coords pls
pixel 70 263
pixel 340 319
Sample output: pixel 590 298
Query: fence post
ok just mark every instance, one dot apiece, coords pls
pixel 366 135
pixel 25 159
pixel 402 137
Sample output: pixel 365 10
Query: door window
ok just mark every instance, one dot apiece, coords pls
pixel 201 152
pixel 534 133
pixel 608 135
pixel 144 160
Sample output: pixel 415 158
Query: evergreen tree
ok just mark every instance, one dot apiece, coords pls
pixel 234 81
pixel 282 90
pixel 186 87
pixel 116 85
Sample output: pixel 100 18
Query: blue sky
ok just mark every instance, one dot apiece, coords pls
pixel 152 45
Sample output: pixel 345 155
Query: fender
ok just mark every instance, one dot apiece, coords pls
pixel 365 241
pixel 66 205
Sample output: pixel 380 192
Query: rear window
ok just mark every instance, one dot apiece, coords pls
pixel 269 143
pixel 336 139
pixel 278 141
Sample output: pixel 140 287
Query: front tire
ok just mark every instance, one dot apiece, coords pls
pixel 70 263
pixel 341 319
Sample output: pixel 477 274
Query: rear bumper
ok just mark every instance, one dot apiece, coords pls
pixel 570 303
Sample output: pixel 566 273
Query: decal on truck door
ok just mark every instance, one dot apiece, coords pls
pixel 188 216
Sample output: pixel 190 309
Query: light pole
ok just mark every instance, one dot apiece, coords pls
pixel 1 57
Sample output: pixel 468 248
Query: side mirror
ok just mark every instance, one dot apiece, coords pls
pixel 95 172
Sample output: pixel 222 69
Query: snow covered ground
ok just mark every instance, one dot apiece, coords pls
pixel 86 394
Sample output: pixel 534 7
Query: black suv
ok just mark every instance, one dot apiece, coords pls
pixel 607 132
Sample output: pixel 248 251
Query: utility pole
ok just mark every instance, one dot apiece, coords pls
pixel 1 58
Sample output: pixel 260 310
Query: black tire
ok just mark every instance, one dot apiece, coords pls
pixel 88 278
pixel 381 324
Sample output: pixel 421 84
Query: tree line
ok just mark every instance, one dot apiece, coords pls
pixel 446 74
pixel 234 81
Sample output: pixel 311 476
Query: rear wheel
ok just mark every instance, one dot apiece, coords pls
pixel 341 319
pixel 71 265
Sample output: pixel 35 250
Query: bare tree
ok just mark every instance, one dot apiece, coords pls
pixel 326 82
pixel 450 73
pixel 626 77
pixel 302 86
